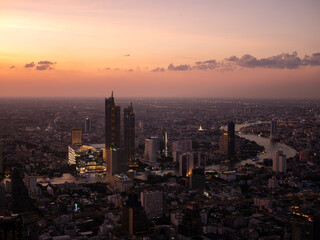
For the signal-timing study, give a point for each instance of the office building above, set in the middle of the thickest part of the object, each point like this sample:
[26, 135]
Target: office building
[11, 228]
[87, 125]
[31, 183]
[129, 133]
[279, 162]
[20, 199]
[76, 136]
[200, 159]
[2, 199]
[231, 140]
[183, 145]
[166, 151]
[304, 155]
[223, 144]
[116, 161]
[152, 202]
[273, 182]
[112, 123]
[134, 220]
[197, 179]
[191, 225]
[152, 147]
[87, 158]
[273, 129]
[186, 164]
[121, 182]
[1, 156]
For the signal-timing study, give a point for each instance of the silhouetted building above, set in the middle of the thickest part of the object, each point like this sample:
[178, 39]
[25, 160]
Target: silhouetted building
[186, 164]
[112, 123]
[134, 220]
[231, 140]
[279, 163]
[152, 147]
[305, 227]
[87, 125]
[76, 136]
[152, 202]
[223, 144]
[191, 225]
[2, 199]
[1, 156]
[273, 129]
[20, 198]
[116, 162]
[200, 159]
[197, 179]
[129, 133]
[10, 228]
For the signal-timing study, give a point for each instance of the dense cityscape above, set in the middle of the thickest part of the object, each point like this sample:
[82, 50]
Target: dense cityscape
[159, 168]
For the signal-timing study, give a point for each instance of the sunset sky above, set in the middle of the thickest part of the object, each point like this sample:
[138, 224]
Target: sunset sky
[199, 48]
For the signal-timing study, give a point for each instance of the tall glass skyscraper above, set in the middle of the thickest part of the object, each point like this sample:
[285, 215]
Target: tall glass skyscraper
[129, 133]
[231, 140]
[112, 123]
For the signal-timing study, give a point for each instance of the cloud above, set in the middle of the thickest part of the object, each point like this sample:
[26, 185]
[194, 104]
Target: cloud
[158, 69]
[209, 64]
[29, 65]
[45, 65]
[281, 61]
[107, 68]
[183, 67]
[46, 62]
[314, 60]
[126, 55]
[12, 67]
[130, 70]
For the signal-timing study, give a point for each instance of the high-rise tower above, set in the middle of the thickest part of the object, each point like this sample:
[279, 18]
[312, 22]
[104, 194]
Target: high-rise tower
[273, 129]
[231, 140]
[112, 123]
[129, 133]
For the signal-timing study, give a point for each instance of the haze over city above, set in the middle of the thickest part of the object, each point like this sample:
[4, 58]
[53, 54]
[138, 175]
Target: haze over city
[251, 49]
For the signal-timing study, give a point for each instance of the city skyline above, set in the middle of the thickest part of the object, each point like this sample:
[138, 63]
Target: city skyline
[244, 49]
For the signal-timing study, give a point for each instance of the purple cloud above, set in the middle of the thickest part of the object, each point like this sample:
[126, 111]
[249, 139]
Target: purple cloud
[183, 67]
[29, 65]
[158, 69]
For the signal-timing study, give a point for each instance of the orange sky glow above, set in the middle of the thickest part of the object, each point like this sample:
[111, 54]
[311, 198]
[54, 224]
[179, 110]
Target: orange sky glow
[80, 48]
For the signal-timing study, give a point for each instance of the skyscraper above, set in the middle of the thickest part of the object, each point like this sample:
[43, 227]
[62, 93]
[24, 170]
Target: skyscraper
[152, 202]
[279, 162]
[76, 136]
[134, 217]
[1, 156]
[186, 164]
[129, 133]
[273, 129]
[231, 140]
[112, 123]
[87, 125]
[151, 149]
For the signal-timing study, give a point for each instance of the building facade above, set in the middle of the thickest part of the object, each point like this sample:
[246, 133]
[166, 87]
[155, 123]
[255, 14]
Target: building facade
[112, 123]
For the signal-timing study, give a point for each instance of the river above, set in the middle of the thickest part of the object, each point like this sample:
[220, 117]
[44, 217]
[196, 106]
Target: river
[270, 147]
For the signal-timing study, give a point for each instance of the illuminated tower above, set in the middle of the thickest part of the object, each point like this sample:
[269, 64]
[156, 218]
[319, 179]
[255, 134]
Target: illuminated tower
[112, 123]
[231, 140]
[129, 133]
[166, 144]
